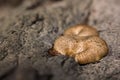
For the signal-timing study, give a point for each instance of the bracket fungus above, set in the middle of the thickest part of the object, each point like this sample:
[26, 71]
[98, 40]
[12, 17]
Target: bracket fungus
[81, 42]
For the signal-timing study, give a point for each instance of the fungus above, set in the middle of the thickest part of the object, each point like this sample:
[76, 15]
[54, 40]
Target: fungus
[82, 43]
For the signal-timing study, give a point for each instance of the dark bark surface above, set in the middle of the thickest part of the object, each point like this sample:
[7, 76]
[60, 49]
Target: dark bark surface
[28, 29]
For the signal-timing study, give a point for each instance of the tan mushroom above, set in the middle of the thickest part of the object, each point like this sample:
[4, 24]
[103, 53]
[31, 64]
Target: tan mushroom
[96, 49]
[69, 45]
[82, 43]
[81, 30]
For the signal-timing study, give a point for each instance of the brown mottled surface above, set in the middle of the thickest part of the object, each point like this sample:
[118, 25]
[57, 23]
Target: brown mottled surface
[28, 31]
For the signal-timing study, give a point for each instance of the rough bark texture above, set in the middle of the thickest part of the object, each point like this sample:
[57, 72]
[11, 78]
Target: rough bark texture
[28, 31]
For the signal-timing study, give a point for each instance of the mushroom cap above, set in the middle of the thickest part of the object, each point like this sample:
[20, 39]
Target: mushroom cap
[81, 30]
[96, 49]
[69, 45]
